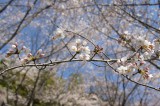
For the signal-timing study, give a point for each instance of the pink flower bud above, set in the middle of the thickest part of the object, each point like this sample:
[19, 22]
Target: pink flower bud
[39, 51]
[41, 55]
[29, 55]
[14, 46]
[24, 48]
[142, 62]
[24, 60]
[11, 51]
[147, 68]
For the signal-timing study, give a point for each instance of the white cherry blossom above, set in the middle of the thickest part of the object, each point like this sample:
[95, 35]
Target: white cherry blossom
[122, 69]
[82, 49]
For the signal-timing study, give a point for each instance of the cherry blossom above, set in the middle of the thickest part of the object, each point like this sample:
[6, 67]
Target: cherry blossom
[81, 48]
[122, 69]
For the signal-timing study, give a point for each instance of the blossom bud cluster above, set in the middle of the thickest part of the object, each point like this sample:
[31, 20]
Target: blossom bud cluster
[132, 65]
[15, 49]
[81, 48]
[145, 50]
[139, 41]
[29, 57]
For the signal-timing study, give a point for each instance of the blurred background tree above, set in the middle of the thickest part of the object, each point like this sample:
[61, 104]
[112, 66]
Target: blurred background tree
[72, 52]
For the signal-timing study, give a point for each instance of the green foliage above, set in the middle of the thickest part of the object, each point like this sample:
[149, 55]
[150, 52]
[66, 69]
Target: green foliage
[47, 81]
[22, 91]
[38, 102]
[3, 83]
[75, 80]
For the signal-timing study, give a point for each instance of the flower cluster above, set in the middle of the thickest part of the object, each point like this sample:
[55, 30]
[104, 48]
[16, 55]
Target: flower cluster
[30, 57]
[139, 41]
[81, 48]
[16, 50]
[144, 50]
[127, 66]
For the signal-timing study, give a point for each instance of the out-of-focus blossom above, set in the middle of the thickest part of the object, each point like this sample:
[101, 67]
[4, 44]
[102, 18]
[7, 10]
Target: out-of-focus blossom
[58, 34]
[78, 41]
[84, 43]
